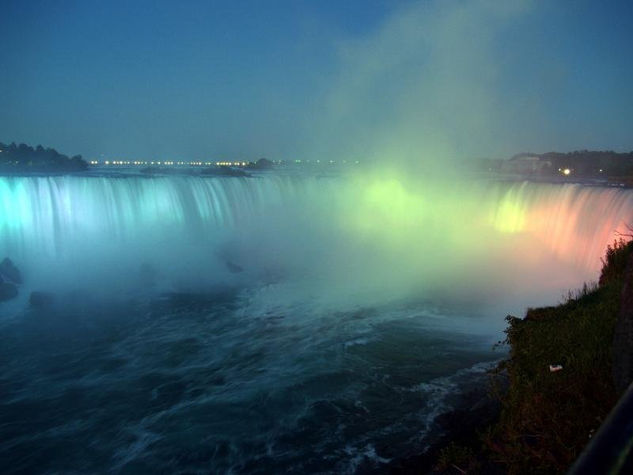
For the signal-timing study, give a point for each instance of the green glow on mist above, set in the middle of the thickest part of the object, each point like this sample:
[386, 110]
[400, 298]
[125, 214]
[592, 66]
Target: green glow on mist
[396, 211]
[389, 203]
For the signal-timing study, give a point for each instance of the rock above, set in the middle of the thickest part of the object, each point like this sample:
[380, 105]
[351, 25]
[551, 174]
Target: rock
[9, 271]
[39, 299]
[234, 268]
[8, 291]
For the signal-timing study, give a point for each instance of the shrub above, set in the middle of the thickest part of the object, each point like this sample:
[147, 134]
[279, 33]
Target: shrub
[548, 417]
[614, 262]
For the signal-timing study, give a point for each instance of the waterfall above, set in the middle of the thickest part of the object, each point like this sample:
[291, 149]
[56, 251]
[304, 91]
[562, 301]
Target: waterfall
[575, 221]
[84, 225]
[51, 214]
[377, 233]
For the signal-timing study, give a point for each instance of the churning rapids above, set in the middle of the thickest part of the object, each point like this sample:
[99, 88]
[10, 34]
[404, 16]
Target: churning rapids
[270, 323]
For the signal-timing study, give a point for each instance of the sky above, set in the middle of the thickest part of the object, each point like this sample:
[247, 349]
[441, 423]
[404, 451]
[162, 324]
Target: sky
[396, 80]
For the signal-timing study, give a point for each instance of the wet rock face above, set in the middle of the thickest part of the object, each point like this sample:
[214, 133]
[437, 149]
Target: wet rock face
[10, 278]
[233, 268]
[623, 335]
[10, 272]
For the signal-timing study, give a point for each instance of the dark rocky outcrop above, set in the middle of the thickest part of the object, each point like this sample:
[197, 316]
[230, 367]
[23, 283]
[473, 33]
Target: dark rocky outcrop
[10, 278]
[234, 268]
[10, 272]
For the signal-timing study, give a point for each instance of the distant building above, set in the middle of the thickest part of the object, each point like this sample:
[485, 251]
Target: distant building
[526, 163]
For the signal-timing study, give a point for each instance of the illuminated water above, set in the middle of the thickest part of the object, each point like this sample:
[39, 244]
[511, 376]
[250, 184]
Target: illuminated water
[269, 323]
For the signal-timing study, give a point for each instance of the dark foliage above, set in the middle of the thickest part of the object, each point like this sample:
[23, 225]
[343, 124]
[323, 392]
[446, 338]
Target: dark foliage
[23, 158]
[549, 417]
[614, 262]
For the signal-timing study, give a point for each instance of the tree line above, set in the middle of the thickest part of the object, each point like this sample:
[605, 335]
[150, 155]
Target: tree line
[24, 158]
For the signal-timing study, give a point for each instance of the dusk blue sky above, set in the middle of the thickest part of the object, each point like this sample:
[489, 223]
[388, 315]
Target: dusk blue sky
[307, 79]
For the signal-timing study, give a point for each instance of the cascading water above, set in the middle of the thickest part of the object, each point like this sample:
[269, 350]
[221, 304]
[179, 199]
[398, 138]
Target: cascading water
[575, 221]
[64, 217]
[54, 226]
[290, 313]
[194, 225]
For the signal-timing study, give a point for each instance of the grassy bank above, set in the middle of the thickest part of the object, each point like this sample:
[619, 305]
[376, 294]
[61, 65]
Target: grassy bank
[547, 418]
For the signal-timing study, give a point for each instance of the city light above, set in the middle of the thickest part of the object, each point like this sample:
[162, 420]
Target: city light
[221, 163]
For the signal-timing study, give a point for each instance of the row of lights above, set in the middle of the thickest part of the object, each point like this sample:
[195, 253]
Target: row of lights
[231, 164]
[219, 164]
[169, 163]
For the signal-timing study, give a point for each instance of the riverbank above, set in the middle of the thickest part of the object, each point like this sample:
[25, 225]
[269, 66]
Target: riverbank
[559, 388]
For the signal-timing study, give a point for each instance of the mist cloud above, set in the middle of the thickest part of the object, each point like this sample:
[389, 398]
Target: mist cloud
[423, 85]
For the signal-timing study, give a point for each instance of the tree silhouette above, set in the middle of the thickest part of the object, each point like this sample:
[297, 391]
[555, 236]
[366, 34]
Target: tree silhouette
[24, 158]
